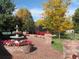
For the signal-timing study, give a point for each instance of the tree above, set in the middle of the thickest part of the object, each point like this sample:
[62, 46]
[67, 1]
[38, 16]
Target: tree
[6, 18]
[40, 25]
[26, 20]
[7, 6]
[9, 24]
[76, 20]
[55, 15]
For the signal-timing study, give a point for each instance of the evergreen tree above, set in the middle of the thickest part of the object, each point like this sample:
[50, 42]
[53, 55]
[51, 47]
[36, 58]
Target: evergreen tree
[76, 20]
[6, 18]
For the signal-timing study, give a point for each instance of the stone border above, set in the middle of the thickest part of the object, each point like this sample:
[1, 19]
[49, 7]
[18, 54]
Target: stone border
[19, 49]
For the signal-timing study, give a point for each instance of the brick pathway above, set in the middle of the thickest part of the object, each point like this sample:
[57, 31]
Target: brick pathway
[43, 51]
[71, 48]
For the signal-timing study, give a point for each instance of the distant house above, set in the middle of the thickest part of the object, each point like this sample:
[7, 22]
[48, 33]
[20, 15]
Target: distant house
[69, 31]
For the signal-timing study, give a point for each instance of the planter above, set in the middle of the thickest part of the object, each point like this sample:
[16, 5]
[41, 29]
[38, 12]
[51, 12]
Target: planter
[18, 49]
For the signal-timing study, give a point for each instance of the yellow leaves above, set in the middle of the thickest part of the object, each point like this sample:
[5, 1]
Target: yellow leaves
[61, 11]
[46, 5]
[39, 22]
[67, 25]
[56, 3]
[55, 11]
[22, 13]
[61, 29]
[48, 12]
[57, 17]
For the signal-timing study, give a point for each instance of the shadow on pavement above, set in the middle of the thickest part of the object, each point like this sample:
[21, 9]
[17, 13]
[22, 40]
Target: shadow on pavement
[4, 54]
[33, 48]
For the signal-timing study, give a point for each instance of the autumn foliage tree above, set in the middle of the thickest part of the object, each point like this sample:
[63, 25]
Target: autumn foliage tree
[55, 15]
[25, 19]
[40, 25]
[40, 22]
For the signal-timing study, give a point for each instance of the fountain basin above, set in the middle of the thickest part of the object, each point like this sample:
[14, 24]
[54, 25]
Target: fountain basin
[16, 37]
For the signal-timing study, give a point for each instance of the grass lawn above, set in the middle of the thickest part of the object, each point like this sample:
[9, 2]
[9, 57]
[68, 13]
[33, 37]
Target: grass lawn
[71, 36]
[58, 44]
[77, 36]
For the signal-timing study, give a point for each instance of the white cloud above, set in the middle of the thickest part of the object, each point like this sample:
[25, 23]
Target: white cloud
[14, 12]
[70, 12]
[36, 13]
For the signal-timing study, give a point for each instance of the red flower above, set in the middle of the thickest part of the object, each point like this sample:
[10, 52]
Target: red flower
[26, 42]
[40, 33]
[16, 43]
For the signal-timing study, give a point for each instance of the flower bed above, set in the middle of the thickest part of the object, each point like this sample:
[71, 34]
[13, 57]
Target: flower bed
[40, 33]
[15, 42]
[14, 46]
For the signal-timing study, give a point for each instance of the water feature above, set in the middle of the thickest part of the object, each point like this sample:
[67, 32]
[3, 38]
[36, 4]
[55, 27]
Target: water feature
[16, 36]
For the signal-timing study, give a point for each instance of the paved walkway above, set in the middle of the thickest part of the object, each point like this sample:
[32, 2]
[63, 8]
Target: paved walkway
[71, 49]
[43, 51]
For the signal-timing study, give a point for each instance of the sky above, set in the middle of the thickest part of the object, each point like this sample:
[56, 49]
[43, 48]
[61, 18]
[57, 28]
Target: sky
[36, 7]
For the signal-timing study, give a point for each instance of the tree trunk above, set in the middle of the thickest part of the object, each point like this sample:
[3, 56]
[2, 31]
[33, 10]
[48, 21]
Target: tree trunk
[59, 35]
[74, 34]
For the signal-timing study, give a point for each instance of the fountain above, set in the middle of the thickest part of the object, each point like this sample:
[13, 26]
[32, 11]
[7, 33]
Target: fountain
[17, 43]
[16, 36]
[17, 31]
